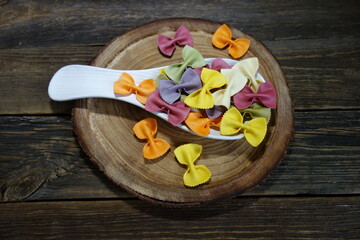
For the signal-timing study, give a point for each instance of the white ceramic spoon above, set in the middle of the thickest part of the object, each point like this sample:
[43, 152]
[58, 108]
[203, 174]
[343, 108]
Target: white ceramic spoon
[80, 81]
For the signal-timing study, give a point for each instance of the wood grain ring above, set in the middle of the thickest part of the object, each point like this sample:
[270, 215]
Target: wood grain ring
[104, 127]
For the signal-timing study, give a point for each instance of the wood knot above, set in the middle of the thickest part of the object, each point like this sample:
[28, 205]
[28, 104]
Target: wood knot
[21, 187]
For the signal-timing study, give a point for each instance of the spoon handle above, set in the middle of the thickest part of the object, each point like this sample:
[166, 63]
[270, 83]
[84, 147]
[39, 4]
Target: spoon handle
[80, 81]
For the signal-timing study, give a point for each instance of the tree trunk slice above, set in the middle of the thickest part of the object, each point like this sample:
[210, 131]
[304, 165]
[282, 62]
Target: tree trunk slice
[104, 127]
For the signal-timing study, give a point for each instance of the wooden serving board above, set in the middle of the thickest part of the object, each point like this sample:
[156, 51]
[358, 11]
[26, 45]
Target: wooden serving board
[104, 127]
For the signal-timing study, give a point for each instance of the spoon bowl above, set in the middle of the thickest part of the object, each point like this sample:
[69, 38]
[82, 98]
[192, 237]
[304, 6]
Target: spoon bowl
[73, 82]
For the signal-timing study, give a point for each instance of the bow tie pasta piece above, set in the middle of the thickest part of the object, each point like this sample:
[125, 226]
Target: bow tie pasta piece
[160, 76]
[176, 112]
[223, 37]
[200, 124]
[146, 130]
[254, 131]
[217, 65]
[235, 83]
[126, 85]
[249, 67]
[182, 37]
[257, 111]
[214, 112]
[265, 95]
[195, 174]
[189, 83]
[203, 98]
[191, 58]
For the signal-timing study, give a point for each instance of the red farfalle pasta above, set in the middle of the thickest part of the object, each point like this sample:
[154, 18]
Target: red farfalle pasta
[266, 95]
[182, 37]
[176, 112]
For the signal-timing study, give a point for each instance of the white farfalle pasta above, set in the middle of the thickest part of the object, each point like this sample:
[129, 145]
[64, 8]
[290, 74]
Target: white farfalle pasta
[249, 67]
[236, 81]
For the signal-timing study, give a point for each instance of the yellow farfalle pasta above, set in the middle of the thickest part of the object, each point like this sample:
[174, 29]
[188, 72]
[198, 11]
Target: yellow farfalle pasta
[203, 98]
[254, 131]
[195, 174]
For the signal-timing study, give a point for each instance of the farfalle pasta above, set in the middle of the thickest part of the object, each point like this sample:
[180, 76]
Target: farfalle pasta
[126, 85]
[248, 68]
[217, 65]
[195, 175]
[205, 97]
[256, 110]
[214, 112]
[191, 58]
[235, 83]
[161, 76]
[223, 37]
[197, 94]
[146, 130]
[200, 124]
[177, 112]
[182, 37]
[265, 95]
[171, 91]
[233, 122]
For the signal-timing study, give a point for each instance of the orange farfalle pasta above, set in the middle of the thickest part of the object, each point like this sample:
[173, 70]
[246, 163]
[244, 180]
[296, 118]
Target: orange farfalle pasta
[126, 85]
[146, 130]
[223, 37]
[200, 124]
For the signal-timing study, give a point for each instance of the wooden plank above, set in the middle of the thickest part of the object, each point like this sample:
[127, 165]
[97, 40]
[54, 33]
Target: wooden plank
[37, 38]
[42, 152]
[318, 73]
[40, 23]
[316, 78]
[242, 218]
[29, 71]
[40, 159]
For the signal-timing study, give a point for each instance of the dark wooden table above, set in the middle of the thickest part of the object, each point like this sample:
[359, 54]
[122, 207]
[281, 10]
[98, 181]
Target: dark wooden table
[50, 189]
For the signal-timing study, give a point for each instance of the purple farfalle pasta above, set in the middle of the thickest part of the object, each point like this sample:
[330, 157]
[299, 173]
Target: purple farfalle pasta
[170, 91]
[214, 112]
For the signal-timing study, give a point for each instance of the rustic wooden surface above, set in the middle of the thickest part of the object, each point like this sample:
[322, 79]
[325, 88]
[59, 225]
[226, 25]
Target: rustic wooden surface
[49, 188]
